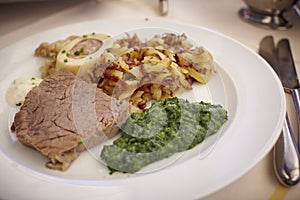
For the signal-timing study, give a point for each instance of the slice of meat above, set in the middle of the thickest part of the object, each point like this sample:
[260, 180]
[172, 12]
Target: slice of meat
[64, 115]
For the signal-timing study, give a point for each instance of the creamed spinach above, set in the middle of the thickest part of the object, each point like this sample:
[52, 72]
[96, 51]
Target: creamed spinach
[169, 126]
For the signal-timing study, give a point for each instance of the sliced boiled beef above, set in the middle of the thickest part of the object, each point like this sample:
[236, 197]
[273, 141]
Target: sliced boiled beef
[65, 115]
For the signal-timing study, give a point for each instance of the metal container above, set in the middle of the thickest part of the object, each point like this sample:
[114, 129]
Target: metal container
[268, 13]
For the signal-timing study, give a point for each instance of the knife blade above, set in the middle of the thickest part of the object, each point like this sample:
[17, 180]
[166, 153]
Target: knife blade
[267, 50]
[288, 74]
[286, 155]
[286, 65]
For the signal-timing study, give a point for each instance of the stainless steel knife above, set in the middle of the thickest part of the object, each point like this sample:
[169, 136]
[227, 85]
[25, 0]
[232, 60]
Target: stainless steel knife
[288, 74]
[286, 154]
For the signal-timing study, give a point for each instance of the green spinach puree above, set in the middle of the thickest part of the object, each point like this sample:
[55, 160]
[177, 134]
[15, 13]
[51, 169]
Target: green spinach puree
[169, 126]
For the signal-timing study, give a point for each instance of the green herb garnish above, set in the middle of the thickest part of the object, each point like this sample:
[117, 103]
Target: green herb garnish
[77, 53]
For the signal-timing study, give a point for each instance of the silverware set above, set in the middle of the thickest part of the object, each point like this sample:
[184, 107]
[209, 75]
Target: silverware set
[286, 152]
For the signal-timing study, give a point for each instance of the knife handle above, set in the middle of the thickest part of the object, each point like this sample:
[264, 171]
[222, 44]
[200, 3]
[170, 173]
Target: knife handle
[286, 157]
[296, 99]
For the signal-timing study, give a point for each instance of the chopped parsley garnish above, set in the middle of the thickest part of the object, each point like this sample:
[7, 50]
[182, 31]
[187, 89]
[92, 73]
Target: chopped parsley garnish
[65, 60]
[77, 53]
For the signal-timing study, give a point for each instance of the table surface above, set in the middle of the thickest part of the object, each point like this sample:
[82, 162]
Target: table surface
[22, 19]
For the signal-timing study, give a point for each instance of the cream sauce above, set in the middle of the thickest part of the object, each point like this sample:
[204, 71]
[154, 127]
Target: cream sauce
[18, 90]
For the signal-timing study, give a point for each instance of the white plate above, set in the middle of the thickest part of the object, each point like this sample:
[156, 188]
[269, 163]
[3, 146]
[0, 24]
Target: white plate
[244, 84]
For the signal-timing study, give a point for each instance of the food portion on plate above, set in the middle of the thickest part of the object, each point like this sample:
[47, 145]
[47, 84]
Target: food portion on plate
[167, 127]
[160, 67]
[17, 91]
[72, 53]
[96, 87]
[64, 115]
